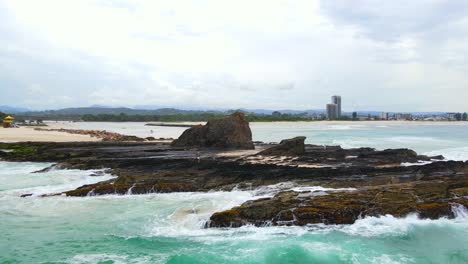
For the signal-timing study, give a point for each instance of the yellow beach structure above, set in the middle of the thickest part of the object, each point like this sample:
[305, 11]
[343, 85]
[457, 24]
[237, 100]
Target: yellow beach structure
[8, 121]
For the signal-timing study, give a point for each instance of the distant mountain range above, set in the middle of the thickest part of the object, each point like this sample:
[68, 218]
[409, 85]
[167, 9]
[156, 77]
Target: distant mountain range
[107, 110]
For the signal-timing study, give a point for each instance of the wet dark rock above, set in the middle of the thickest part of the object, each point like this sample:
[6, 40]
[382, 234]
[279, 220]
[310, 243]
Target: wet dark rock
[394, 155]
[47, 169]
[438, 157]
[230, 132]
[430, 199]
[287, 147]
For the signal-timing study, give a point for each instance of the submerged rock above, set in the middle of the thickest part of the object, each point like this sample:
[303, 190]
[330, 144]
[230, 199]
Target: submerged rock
[287, 147]
[231, 132]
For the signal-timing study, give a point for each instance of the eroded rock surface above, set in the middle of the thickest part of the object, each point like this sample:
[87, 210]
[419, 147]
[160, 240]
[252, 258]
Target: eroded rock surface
[230, 132]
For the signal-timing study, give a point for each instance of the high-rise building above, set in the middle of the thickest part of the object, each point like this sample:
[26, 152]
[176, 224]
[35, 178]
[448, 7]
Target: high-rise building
[336, 99]
[384, 116]
[332, 111]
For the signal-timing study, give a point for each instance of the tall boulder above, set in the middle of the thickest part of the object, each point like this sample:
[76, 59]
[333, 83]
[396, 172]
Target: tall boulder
[230, 132]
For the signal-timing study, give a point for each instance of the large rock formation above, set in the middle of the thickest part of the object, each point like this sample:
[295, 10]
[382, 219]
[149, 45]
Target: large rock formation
[287, 147]
[232, 132]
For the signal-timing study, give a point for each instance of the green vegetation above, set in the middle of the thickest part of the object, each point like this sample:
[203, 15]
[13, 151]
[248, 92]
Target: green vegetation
[145, 118]
[19, 151]
[465, 116]
[189, 117]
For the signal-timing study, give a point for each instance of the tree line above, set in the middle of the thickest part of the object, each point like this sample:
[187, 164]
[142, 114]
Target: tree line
[189, 117]
[461, 117]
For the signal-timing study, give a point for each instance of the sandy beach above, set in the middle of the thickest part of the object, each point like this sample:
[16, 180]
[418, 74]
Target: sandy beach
[29, 134]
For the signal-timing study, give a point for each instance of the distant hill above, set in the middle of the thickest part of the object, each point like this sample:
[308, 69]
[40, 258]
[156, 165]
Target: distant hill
[109, 111]
[12, 110]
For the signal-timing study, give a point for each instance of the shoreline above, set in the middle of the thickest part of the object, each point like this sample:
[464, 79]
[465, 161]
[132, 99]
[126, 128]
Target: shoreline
[191, 123]
[29, 134]
[25, 134]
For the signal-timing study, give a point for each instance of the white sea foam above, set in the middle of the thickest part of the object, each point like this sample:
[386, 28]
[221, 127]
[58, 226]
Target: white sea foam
[114, 258]
[390, 225]
[271, 190]
[451, 153]
[412, 140]
[419, 163]
[18, 178]
[387, 259]
[343, 127]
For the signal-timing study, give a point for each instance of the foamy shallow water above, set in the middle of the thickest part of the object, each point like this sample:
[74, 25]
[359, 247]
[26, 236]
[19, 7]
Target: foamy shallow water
[167, 228]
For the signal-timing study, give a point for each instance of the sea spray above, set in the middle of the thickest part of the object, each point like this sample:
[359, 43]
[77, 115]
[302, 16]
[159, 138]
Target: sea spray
[129, 191]
[460, 211]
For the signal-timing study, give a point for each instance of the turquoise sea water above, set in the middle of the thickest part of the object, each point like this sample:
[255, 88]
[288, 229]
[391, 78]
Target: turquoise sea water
[167, 228]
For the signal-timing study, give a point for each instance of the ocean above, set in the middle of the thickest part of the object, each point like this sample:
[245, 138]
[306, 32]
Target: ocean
[168, 228]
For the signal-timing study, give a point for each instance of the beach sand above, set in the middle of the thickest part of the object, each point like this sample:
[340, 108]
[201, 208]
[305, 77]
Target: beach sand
[22, 134]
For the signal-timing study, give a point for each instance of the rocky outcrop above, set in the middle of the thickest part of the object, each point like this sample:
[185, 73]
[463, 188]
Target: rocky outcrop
[102, 134]
[287, 147]
[394, 155]
[230, 132]
[432, 198]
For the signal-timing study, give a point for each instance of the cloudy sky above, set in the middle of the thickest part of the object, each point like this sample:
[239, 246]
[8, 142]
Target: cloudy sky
[384, 55]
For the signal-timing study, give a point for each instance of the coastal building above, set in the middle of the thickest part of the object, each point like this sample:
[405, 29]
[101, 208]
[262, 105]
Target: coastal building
[384, 116]
[452, 116]
[336, 99]
[332, 111]
[400, 116]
